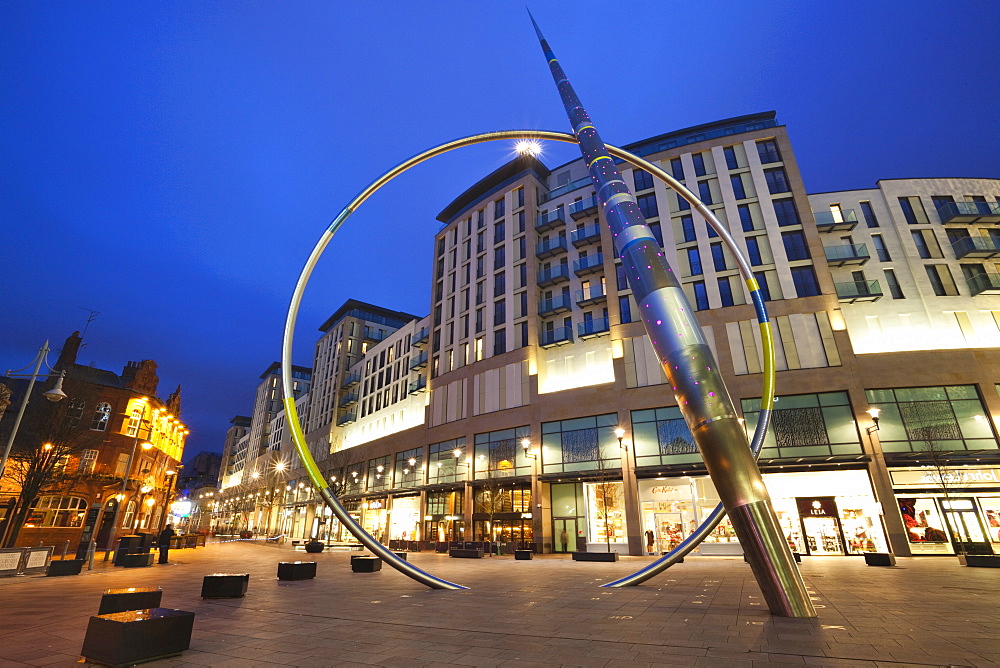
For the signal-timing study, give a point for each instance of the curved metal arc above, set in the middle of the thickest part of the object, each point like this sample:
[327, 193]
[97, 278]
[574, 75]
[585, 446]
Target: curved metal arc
[298, 437]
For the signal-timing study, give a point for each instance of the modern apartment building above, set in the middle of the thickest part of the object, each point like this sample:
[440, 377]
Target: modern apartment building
[531, 358]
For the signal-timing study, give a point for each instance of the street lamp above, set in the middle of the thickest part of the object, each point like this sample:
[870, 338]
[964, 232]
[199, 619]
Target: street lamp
[526, 444]
[620, 435]
[53, 395]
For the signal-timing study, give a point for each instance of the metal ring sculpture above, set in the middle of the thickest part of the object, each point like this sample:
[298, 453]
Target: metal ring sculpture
[292, 417]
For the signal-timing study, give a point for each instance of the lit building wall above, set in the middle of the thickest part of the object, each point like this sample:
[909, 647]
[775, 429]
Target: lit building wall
[921, 256]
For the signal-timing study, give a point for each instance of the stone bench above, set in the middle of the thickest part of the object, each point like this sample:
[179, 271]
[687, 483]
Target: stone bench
[131, 598]
[65, 567]
[225, 585]
[137, 559]
[365, 564]
[465, 553]
[136, 636]
[296, 570]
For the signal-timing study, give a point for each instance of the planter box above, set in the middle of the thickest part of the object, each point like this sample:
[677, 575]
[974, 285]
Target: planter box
[595, 556]
[522, 555]
[132, 598]
[880, 559]
[982, 560]
[140, 560]
[365, 564]
[314, 547]
[65, 567]
[402, 555]
[126, 638]
[225, 585]
[465, 553]
[296, 570]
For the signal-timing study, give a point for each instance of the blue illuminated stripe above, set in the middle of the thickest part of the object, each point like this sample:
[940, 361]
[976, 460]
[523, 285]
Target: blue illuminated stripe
[758, 305]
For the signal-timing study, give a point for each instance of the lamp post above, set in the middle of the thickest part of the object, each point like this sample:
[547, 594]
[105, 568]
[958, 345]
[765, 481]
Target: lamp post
[53, 395]
[172, 476]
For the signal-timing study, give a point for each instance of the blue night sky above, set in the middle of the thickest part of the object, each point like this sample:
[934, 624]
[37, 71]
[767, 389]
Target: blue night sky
[172, 164]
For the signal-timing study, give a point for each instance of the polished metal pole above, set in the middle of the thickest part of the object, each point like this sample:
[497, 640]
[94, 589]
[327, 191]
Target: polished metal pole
[690, 367]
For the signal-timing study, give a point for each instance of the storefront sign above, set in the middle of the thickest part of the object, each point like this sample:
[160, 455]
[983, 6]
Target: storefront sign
[824, 507]
[375, 505]
[932, 477]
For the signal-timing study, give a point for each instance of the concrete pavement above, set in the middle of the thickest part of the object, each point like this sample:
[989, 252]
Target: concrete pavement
[548, 611]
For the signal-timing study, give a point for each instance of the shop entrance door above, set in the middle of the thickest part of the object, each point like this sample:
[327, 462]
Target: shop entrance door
[564, 534]
[963, 524]
[820, 525]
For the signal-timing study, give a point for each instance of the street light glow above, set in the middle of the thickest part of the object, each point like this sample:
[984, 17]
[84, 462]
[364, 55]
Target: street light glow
[528, 147]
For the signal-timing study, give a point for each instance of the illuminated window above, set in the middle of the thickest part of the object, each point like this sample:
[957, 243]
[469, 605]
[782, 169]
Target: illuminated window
[479, 348]
[59, 511]
[88, 460]
[134, 420]
[101, 417]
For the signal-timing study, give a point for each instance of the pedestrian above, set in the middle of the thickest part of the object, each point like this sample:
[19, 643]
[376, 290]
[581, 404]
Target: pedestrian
[564, 539]
[650, 540]
[163, 542]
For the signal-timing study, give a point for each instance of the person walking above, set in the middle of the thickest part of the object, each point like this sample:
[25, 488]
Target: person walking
[650, 540]
[163, 542]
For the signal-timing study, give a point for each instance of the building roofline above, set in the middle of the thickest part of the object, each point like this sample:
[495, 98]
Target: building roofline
[276, 366]
[352, 304]
[509, 172]
[904, 178]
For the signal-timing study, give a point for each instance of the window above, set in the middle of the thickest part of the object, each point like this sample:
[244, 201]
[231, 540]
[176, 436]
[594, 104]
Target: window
[694, 261]
[74, 413]
[677, 169]
[499, 342]
[731, 161]
[868, 213]
[499, 258]
[746, 218]
[522, 275]
[643, 180]
[913, 210]
[519, 197]
[768, 151]
[522, 304]
[777, 181]
[101, 417]
[480, 266]
[499, 311]
[523, 334]
[480, 292]
[719, 257]
[699, 164]
[795, 245]
[926, 243]
[941, 280]
[498, 208]
[753, 251]
[657, 232]
[738, 190]
[894, 289]
[700, 296]
[521, 248]
[880, 249]
[687, 228]
[682, 204]
[499, 283]
[479, 320]
[647, 205]
[60, 511]
[725, 291]
[88, 460]
[520, 221]
[499, 232]
[625, 309]
[786, 213]
[705, 192]
[134, 420]
[479, 348]
[480, 241]
[940, 200]
[947, 417]
[804, 279]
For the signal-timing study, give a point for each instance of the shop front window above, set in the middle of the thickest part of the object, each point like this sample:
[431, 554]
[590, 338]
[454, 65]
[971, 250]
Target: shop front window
[404, 521]
[807, 425]
[58, 511]
[661, 437]
[499, 454]
[409, 468]
[932, 419]
[606, 516]
[581, 444]
[447, 462]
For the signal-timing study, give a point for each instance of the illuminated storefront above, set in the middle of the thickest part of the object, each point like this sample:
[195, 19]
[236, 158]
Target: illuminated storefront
[949, 510]
[404, 518]
[374, 516]
[821, 513]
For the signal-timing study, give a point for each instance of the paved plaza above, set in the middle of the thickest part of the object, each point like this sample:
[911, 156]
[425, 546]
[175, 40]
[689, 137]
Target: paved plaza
[548, 611]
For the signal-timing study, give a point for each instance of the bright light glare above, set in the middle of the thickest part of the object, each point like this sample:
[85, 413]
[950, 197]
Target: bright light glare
[528, 147]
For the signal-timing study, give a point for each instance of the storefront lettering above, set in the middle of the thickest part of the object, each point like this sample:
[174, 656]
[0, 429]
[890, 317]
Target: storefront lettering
[934, 477]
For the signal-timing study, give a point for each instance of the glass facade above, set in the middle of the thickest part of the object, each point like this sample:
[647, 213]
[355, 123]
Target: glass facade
[935, 420]
[807, 425]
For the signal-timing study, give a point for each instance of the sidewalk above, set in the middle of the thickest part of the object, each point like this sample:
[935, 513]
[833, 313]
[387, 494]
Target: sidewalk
[549, 611]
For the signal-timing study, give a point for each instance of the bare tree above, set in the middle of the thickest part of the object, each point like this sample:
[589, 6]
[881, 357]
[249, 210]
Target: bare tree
[948, 479]
[49, 442]
[607, 492]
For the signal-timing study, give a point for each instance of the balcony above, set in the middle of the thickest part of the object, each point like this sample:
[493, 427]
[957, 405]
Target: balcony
[976, 247]
[590, 296]
[349, 399]
[375, 335]
[557, 337]
[351, 380]
[839, 256]
[421, 338]
[347, 418]
[586, 235]
[419, 362]
[418, 386]
[555, 305]
[588, 329]
[553, 275]
[969, 212]
[589, 264]
[550, 220]
[858, 291]
[551, 247]
[984, 284]
[583, 208]
[843, 221]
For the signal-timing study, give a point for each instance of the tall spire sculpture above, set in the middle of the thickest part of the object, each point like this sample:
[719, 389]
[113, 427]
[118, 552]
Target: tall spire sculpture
[690, 367]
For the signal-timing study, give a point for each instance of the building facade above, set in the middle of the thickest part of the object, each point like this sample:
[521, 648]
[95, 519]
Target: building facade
[532, 357]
